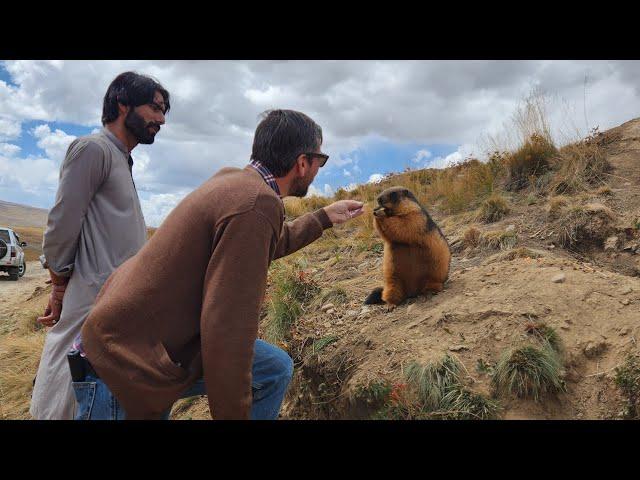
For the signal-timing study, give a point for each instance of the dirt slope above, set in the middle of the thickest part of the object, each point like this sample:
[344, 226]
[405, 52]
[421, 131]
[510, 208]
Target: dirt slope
[485, 308]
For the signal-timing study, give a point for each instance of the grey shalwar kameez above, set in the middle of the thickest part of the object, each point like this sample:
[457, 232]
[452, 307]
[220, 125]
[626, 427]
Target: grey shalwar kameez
[95, 225]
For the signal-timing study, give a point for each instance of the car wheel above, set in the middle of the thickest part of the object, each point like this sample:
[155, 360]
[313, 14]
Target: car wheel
[22, 269]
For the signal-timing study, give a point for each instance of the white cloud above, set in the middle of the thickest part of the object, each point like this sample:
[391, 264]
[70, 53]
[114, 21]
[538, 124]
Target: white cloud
[375, 178]
[156, 207]
[463, 152]
[31, 174]
[9, 149]
[340, 161]
[327, 191]
[10, 129]
[346, 173]
[421, 155]
[55, 144]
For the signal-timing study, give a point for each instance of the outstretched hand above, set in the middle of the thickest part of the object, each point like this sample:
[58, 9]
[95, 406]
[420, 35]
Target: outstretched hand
[343, 210]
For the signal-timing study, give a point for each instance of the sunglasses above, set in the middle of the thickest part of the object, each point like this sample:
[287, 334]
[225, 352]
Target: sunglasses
[322, 156]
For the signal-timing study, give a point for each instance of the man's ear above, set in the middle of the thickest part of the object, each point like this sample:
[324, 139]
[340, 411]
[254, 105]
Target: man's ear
[123, 109]
[302, 165]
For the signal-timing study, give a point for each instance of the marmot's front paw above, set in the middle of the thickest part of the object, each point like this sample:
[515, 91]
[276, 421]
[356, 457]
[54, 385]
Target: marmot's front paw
[390, 307]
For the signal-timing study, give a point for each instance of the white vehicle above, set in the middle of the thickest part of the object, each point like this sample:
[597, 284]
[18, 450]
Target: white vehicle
[11, 254]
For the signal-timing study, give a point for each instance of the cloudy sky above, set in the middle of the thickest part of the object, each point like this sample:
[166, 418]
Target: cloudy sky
[377, 116]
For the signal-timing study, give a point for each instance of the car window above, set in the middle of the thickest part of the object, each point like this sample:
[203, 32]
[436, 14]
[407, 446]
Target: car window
[17, 238]
[4, 235]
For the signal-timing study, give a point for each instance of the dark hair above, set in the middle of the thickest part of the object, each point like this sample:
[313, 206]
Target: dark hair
[281, 136]
[132, 89]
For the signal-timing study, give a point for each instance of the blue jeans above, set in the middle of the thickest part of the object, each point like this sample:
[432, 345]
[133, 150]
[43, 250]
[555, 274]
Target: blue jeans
[272, 370]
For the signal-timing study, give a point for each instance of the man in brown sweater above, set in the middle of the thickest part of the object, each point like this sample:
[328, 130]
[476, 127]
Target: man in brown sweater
[181, 316]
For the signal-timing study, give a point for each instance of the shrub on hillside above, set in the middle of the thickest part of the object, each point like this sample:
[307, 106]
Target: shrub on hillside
[530, 161]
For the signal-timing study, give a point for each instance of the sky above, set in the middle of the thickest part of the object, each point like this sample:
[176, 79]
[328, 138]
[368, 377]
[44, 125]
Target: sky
[377, 117]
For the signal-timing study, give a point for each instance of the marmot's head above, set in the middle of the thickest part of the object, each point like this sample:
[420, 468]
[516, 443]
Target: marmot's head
[396, 201]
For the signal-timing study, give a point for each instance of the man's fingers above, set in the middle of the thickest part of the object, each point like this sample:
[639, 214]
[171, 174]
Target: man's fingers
[47, 321]
[356, 213]
[353, 204]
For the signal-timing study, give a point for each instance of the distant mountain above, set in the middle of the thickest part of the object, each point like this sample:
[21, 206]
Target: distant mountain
[16, 215]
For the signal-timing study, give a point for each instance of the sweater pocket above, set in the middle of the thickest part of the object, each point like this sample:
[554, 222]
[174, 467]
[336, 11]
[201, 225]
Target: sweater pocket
[168, 366]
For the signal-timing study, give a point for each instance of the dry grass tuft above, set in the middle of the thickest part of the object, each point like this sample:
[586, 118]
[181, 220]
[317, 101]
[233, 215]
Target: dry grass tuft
[586, 225]
[529, 161]
[498, 240]
[493, 208]
[19, 358]
[556, 205]
[471, 238]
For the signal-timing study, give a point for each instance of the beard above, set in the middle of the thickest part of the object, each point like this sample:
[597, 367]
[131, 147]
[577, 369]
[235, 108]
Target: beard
[300, 186]
[139, 128]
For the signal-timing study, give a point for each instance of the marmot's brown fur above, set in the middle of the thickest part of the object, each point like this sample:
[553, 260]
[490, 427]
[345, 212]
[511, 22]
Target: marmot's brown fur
[416, 253]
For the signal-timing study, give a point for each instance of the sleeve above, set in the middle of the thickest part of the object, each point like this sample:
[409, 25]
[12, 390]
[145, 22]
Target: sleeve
[83, 170]
[234, 286]
[301, 232]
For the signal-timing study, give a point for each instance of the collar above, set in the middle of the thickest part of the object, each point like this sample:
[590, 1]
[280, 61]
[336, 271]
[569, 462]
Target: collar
[266, 175]
[115, 141]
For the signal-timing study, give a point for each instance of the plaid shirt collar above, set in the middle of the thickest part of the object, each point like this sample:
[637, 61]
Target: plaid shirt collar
[266, 175]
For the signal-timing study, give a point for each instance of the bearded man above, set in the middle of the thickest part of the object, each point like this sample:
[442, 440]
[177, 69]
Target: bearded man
[95, 225]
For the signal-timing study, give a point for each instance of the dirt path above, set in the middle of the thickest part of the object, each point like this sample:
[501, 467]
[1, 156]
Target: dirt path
[14, 293]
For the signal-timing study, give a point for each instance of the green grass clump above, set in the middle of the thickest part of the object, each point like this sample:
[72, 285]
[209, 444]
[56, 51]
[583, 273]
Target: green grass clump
[318, 345]
[545, 334]
[434, 380]
[528, 372]
[463, 404]
[628, 380]
[436, 391]
[291, 288]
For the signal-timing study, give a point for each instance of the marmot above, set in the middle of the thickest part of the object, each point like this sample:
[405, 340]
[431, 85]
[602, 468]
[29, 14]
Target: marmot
[416, 253]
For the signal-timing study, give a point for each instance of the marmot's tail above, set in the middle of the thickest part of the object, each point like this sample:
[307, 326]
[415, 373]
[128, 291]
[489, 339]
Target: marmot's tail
[374, 297]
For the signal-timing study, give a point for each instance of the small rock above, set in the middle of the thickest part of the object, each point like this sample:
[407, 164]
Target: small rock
[327, 306]
[611, 243]
[593, 349]
[411, 309]
[626, 290]
[551, 246]
[457, 348]
[351, 313]
[560, 278]
[625, 301]
[326, 324]
[625, 331]
[330, 311]
[510, 228]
